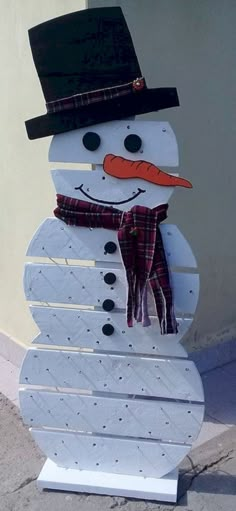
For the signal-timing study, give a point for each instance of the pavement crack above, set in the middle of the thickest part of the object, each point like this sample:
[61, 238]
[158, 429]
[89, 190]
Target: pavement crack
[27, 481]
[213, 463]
[198, 470]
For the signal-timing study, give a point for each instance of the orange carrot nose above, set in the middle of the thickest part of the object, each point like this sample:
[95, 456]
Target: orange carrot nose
[117, 166]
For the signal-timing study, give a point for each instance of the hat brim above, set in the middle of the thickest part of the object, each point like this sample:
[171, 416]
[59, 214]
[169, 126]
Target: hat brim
[141, 102]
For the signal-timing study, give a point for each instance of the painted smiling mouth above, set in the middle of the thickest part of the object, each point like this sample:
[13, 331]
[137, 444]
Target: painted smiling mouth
[106, 201]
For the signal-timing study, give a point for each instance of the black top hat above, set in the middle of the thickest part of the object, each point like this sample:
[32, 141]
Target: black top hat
[89, 72]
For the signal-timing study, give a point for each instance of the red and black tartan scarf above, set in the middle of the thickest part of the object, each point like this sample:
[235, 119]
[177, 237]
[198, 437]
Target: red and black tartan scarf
[142, 251]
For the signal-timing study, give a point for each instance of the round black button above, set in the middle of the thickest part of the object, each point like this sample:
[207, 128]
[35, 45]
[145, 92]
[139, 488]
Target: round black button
[109, 278]
[108, 329]
[108, 305]
[132, 143]
[91, 141]
[110, 247]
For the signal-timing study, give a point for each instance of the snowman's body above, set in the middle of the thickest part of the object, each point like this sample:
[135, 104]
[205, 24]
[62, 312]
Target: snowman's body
[109, 398]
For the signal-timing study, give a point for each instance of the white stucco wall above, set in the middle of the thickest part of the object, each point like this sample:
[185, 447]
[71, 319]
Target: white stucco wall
[27, 195]
[191, 44]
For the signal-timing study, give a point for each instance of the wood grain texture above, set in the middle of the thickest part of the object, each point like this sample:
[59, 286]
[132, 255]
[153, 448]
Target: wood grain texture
[56, 239]
[168, 421]
[99, 453]
[97, 186]
[83, 285]
[165, 378]
[159, 144]
[83, 329]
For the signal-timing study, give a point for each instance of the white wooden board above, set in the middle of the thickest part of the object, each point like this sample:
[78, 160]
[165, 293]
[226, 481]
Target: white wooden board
[56, 239]
[103, 483]
[80, 328]
[148, 458]
[158, 377]
[97, 187]
[159, 144]
[168, 421]
[83, 285]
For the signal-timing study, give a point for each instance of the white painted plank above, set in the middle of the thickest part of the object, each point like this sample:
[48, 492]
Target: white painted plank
[56, 239]
[168, 421]
[185, 288]
[177, 249]
[158, 143]
[83, 285]
[166, 378]
[80, 328]
[72, 285]
[102, 188]
[163, 489]
[99, 453]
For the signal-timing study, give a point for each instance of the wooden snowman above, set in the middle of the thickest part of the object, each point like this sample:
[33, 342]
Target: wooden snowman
[110, 395]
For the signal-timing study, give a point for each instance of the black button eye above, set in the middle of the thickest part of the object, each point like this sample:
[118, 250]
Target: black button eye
[110, 247]
[110, 278]
[108, 329]
[132, 143]
[108, 305]
[91, 141]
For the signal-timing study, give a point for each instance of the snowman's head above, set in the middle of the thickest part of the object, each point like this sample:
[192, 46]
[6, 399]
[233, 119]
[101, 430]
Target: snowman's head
[126, 156]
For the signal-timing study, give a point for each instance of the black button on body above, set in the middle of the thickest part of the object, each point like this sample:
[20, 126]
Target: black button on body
[109, 278]
[108, 305]
[108, 329]
[132, 143]
[91, 141]
[110, 247]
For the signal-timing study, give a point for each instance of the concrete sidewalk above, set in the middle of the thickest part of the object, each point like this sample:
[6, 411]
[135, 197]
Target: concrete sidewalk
[207, 477]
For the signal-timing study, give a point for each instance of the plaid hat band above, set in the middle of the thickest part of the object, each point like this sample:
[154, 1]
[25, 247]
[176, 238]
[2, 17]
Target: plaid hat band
[96, 96]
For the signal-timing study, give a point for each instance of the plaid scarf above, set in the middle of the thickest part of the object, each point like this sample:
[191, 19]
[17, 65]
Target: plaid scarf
[142, 251]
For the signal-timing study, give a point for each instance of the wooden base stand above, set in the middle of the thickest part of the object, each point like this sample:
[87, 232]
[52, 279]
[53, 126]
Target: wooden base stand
[58, 478]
